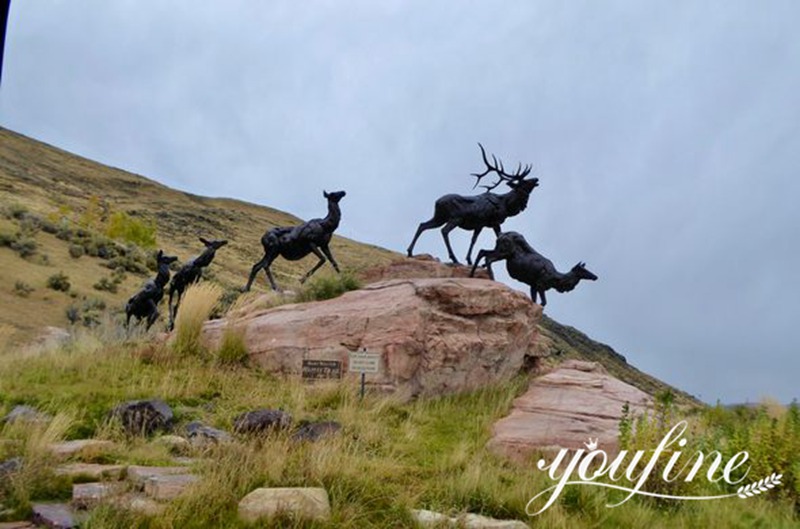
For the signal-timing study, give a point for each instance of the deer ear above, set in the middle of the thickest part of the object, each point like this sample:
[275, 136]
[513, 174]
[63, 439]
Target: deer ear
[204, 241]
[325, 193]
[159, 254]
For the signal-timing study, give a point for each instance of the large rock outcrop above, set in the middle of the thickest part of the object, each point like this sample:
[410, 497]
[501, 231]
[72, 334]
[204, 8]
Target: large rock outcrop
[564, 408]
[419, 266]
[435, 336]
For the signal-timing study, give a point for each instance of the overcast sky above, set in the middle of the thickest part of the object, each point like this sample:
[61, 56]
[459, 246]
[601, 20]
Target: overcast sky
[666, 136]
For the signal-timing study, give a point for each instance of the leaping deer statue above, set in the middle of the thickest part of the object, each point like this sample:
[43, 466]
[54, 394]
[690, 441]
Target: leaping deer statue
[190, 273]
[525, 264]
[295, 242]
[488, 210]
[144, 304]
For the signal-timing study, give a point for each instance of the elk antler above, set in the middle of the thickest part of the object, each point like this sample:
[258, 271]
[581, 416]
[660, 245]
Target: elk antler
[500, 170]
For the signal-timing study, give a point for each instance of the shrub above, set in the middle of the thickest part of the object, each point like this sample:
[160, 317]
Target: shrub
[328, 287]
[232, 349]
[59, 282]
[75, 251]
[196, 305]
[107, 285]
[23, 245]
[73, 314]
[22, 289]
[124, 227]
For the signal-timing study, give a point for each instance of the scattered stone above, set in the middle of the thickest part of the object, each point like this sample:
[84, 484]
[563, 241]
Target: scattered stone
[88, 495]
[9, 466]
[260, 421]
[564, 408]
[139, 504]
[309, 503]
[17, 525]
[144, 417]
[91, 471]
[433, 519]
[53, 515]
[71, 448]
[201, 435]
[138, 475]
[175, 443]
[314, 431]
[23, 413]
[168, 487]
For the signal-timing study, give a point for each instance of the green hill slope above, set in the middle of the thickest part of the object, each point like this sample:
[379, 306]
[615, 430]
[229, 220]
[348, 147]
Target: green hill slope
[54, 187]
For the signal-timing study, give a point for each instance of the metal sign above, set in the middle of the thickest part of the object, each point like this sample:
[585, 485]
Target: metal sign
[322, 369]
[364, 362]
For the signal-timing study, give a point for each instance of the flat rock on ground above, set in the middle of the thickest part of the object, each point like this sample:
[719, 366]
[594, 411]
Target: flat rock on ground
[311, 503]
[138, 475]
[91, 471]
[53, 516]
[70, 448]
[88, 495]
[564, 408]
[431, 519]
[168, 487]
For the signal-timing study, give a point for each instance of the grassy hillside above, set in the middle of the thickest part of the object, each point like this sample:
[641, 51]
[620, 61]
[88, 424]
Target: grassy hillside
[60, 187]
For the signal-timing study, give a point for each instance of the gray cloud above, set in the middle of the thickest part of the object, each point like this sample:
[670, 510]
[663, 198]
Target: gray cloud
[665, 136]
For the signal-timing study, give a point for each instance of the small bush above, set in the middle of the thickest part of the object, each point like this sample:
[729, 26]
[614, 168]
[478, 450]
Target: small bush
[124, 227]
[328, 287]
[25, 246]
[107, 285]
[196, 305]
[22, 289]
[73, 314]
[75, 251]
[59, 282]
[16, 211]
[232, 349]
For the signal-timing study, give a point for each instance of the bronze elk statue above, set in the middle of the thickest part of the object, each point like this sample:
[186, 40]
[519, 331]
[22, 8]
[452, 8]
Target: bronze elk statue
[524, 264]
[295, 242]
[144, 304]
[488, 210]
[189, 273]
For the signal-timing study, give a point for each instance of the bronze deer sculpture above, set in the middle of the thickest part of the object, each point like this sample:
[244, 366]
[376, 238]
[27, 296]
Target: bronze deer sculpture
[295, 242]
[525, 264]
[488, 210]
[144, 304]
[190, 273]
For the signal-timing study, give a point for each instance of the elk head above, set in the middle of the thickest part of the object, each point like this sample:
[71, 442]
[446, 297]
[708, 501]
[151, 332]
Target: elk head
[514, 181]
[582, 273]
[335, 196]
[214, 245]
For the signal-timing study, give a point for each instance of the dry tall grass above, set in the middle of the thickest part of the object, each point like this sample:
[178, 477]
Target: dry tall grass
[196, 305]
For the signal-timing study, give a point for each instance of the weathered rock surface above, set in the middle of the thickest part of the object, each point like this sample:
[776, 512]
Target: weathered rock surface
[88, 495]
[138, 475]
[144, 417]
[564, 408]
[433, 519]
[418, 267]
[53, 515]
[23, 413]
[311, 503]
[168, 487]
[201, 435]
[91, 471]
[80, 446]
[138, 503]
[17, 525]
[9, 466]
[314, 431]
[435, 336]
[261, 421]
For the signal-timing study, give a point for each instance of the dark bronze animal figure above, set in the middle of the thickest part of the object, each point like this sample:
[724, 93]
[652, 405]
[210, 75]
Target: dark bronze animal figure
[295, 242]
[144, 304]
[474, 213]
[526, 265]
[190, 273]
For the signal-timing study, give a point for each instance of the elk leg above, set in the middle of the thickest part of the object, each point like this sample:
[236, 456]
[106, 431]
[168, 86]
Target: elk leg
[496, 229]
[256, 267]
[152, 315]
[174, 310]
[317, 266]
[472, 244]
[446, 235]
[428, 225]
[327, 251]
[533, 294]
[544, 299]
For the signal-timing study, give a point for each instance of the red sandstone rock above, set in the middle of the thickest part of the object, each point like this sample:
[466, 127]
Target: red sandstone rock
[417, 267]
[435, 336]
[564, 408]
